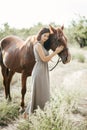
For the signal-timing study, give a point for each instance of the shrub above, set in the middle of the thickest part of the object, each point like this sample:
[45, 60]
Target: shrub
[79, 57]
[55, 115]
[8, 112]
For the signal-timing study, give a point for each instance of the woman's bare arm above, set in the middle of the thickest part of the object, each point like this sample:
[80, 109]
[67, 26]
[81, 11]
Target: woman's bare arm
[47, 58]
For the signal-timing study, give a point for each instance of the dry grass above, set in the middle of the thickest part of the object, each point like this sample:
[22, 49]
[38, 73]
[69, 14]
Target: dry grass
[69, 82]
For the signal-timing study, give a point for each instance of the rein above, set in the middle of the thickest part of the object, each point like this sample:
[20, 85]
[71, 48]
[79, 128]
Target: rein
[59, 60]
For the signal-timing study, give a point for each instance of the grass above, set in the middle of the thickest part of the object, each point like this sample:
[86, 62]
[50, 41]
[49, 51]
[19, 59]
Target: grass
[8, 112]
[79, 57]
[64, 102]
[56, 114]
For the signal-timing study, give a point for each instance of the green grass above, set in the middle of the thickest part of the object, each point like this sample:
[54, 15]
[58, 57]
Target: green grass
[8, 112]
[56, 114]
[79, 57]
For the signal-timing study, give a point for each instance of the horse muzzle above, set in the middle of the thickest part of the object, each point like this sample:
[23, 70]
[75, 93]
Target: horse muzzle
[66, 59]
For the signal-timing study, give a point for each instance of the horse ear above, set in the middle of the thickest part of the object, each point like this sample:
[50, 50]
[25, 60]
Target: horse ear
[62, 27]
[52, 29]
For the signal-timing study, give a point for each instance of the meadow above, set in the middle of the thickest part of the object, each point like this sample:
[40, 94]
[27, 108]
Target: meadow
[68, 103]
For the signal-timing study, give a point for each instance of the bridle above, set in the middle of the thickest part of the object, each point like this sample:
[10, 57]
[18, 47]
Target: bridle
[59, 60]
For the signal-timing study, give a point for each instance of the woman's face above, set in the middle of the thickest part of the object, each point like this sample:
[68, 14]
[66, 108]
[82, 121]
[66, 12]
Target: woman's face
[44, 37]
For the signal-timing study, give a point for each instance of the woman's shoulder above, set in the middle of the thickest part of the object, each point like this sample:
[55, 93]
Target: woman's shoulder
[37, 44]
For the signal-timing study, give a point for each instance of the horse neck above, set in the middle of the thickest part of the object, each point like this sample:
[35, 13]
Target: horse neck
[51, 42]
[48, 43]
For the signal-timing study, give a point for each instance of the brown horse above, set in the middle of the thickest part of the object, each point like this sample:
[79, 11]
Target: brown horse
[17, 55]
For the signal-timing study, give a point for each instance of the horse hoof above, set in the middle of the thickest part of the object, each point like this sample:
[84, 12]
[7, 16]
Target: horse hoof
[21, 110]
[8, 100]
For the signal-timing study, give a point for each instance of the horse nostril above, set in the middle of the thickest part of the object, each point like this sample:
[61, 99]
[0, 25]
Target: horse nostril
[64, 60]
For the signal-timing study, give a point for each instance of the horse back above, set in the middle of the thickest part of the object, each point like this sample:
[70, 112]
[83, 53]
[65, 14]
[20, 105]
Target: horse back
[10, 41]
[10, 47]
[17, 55]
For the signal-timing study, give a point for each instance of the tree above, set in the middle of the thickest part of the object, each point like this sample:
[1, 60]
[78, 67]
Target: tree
[79, 29]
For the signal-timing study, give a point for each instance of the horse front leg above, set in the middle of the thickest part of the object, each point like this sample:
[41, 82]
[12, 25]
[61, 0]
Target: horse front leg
[23, 90]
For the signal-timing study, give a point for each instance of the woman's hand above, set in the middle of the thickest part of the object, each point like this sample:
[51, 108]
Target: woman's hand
[59, 49]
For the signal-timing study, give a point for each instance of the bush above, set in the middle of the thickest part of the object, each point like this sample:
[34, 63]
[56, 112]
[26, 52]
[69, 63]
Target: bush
[55, 115]
[79, 57]
[8, 112]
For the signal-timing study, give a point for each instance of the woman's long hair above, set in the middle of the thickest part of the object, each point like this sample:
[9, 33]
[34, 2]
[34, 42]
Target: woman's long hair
[42, 31]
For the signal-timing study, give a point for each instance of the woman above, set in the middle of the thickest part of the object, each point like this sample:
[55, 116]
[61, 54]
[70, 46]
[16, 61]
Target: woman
[40, 73]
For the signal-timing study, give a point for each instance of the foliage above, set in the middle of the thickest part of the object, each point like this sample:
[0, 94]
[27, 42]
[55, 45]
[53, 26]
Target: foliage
[78, 31]
[80, 57]
[22, 33]
[56, 115]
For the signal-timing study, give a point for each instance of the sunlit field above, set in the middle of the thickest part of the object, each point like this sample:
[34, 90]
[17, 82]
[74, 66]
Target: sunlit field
[67, 107]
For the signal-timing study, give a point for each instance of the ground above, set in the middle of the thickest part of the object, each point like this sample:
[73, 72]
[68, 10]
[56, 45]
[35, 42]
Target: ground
[70, 76]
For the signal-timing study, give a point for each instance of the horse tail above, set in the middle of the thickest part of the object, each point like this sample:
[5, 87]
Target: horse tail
[7, 71]
[1, 59]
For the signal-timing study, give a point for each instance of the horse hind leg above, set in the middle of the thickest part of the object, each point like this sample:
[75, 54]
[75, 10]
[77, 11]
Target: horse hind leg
[7, 76]
[4, 74]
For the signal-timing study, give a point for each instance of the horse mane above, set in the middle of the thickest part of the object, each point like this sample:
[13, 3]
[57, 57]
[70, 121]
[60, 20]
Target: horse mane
[31, 40]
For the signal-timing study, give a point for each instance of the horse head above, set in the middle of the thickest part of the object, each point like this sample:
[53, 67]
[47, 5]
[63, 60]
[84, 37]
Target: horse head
[58, 38]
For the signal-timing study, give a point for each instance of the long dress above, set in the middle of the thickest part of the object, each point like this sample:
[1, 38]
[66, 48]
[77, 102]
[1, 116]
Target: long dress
[40, 82]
